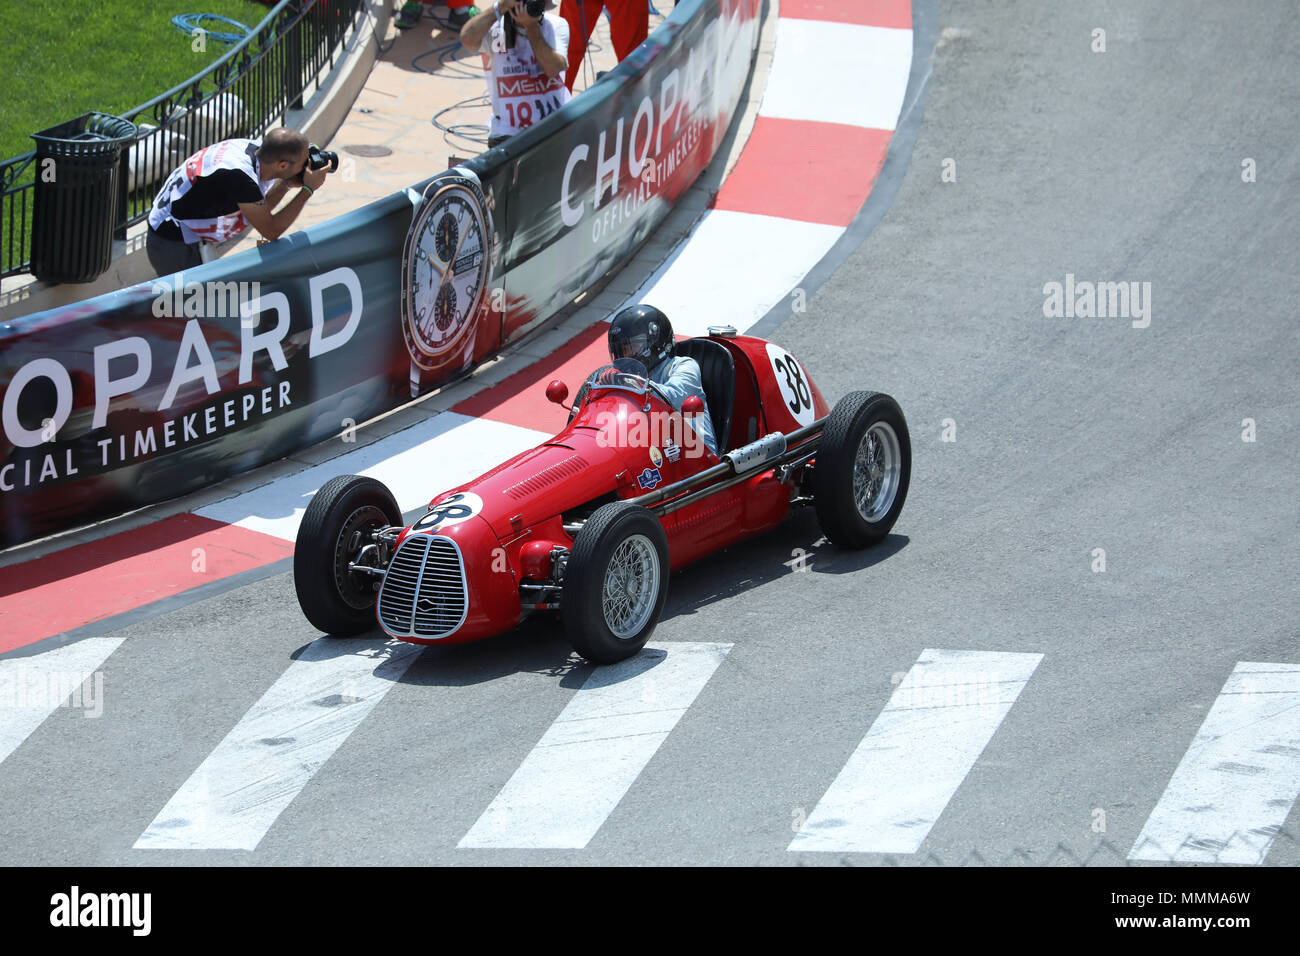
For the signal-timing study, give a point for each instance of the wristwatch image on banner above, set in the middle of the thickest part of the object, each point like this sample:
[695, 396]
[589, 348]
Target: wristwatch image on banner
[447, 259]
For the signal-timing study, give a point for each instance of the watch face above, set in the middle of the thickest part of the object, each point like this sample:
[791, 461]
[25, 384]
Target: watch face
[444, 308]
[445, 235]
[446, 270]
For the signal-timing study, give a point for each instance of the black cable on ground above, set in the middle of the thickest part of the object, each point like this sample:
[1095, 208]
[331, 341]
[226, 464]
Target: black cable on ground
[450, 66]
[476, 133]
[374, 28]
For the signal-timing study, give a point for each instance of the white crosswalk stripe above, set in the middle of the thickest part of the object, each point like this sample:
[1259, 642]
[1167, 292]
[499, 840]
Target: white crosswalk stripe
[32, 688]
[1225, 803]
[588, 758]
[917, 752]
[1237, 782]
[236, 794]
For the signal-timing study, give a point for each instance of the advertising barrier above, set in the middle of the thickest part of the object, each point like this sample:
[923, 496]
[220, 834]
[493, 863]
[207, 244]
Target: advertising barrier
[163, 388]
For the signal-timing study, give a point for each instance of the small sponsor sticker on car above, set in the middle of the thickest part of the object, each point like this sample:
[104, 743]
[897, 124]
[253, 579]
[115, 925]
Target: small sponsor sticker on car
[649, 478]
[656, 458]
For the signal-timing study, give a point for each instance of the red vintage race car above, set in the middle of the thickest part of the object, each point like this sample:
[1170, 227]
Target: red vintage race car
[591, 523]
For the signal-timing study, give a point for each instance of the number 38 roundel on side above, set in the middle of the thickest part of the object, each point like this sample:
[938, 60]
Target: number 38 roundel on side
[797, 392]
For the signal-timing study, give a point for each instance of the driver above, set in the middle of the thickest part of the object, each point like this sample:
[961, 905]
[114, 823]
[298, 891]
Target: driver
[644, 333]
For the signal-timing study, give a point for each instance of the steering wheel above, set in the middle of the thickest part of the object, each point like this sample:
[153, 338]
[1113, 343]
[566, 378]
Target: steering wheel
[587, 386]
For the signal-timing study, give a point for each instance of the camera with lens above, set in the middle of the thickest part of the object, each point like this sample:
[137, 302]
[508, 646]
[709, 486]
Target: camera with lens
[534, 8]
[318, 158]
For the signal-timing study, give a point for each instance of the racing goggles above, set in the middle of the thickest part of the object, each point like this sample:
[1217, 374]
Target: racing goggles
[632, 347]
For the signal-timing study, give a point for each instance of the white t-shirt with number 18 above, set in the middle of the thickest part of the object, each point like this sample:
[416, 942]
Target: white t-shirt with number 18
[522, 94]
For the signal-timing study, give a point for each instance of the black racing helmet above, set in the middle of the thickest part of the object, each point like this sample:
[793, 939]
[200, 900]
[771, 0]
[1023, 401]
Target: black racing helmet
[643, 333]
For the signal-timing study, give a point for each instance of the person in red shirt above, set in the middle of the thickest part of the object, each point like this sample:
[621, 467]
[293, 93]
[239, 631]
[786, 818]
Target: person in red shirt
[629, 24]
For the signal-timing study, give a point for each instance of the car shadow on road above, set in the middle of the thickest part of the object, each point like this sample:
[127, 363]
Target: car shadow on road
[796, 547]
[539, 645]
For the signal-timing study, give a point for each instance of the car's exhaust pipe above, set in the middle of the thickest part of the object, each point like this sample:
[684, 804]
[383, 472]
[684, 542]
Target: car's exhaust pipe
[771, 451]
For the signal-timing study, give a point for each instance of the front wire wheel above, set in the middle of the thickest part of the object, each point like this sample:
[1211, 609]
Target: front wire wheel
[631, 584]
[339, 522]
[357, 589]
[615, 582]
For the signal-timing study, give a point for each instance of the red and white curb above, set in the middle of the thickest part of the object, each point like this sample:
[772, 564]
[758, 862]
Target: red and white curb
[834, 93]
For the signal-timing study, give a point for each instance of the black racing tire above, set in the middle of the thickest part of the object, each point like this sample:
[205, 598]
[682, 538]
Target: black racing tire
[337, 601]
[853, 510]
[617, 540]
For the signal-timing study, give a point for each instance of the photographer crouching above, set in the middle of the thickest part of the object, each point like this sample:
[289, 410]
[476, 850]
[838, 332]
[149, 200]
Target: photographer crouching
[223, 189]
[526, 46]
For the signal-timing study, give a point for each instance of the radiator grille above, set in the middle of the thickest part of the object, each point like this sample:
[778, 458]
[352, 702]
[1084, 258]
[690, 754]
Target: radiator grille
[423, 594]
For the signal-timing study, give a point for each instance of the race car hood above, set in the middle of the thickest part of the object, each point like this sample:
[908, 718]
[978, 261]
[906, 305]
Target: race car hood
[577, 466]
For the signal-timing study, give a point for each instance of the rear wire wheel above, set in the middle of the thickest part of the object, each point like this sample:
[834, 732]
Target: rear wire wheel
[862, 470]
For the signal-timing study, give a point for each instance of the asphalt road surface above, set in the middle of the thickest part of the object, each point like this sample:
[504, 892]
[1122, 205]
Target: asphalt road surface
[979, 688]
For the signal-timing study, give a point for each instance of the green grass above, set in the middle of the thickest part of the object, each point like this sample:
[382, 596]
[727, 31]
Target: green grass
[61, 59]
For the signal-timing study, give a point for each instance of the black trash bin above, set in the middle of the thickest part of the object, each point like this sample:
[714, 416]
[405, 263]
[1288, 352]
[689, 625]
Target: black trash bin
[77, 196]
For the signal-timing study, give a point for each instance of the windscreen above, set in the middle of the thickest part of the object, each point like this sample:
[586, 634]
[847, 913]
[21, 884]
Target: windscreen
[625, 374]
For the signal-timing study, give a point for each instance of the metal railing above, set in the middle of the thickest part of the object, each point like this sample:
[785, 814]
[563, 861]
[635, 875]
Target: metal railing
[250, 88]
